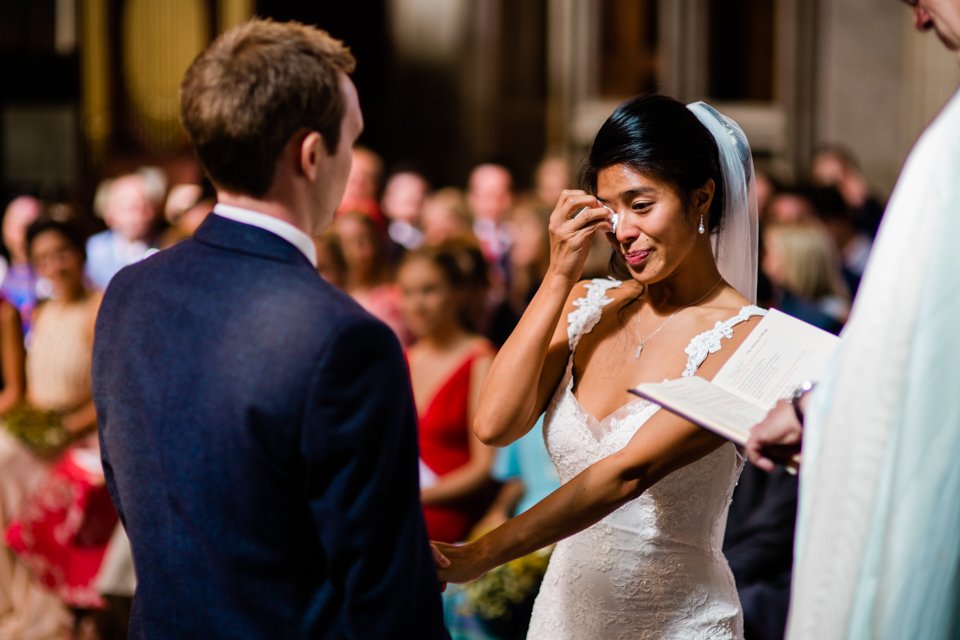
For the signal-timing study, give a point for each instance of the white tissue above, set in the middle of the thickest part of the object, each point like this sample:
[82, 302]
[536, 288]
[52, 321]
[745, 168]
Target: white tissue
[614, 218]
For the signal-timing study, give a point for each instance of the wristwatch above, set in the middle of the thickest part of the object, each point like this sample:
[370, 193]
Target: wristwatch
[802, 389]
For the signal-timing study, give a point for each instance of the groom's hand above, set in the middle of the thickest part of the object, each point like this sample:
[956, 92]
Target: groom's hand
[775, 439]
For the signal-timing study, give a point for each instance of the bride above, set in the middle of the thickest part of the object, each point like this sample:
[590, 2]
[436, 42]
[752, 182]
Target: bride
[641, 513]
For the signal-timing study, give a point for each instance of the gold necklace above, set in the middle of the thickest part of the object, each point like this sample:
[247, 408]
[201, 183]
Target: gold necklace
[643, 342]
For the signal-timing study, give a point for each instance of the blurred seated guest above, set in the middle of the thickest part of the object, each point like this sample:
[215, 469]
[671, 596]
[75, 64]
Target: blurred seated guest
[12, 357]
[529, 257]
[59, 352]
[402, 202]
[766, 189]
[789, 205]
[552, 176]
[366, 175]
[448, 364]
[362, 232]
[445, 216]
[20, 473]
[19, 280]
[758, 544]
[474, 283]
[854, 245]
[801, 261]
[155, 185]
[187, 206]
[331, 264]
[490, 196]
[66, 517]
[131, 218]
[835, 166]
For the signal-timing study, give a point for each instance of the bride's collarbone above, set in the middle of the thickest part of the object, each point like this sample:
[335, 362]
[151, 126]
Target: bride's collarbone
[604, 368]
[624, 327]
[605, 363]
[613, 363]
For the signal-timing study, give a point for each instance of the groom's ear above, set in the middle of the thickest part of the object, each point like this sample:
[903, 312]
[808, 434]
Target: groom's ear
[312, 155]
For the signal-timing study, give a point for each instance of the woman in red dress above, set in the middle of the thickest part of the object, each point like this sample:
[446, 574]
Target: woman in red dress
[448, 363]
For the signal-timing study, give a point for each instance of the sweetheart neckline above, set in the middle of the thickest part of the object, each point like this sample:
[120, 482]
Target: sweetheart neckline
[606, 418]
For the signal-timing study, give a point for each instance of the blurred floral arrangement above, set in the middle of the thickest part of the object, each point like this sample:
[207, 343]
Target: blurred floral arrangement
[497, 593]
[42, 431]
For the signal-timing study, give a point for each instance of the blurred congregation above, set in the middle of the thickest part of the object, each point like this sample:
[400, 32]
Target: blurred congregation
[446, 249]
[450, 269]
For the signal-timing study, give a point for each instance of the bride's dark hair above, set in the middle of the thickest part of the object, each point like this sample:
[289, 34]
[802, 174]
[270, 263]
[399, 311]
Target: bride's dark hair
[659, 137]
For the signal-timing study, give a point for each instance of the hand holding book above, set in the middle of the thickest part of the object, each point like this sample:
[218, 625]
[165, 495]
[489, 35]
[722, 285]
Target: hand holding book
[776, 439]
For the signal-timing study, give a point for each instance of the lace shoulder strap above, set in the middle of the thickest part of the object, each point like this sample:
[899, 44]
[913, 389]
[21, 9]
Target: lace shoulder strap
[710, 341]
[589, 308]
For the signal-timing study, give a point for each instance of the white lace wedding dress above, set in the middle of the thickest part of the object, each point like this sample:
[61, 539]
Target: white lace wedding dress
[653, 568]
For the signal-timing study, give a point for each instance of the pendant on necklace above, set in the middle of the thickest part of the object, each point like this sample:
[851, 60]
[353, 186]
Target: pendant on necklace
[636, 354]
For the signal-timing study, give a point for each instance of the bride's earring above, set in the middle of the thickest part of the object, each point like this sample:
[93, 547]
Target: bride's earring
[701, 229]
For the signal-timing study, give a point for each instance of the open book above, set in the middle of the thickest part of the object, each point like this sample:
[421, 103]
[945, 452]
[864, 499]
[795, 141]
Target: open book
[776, 357]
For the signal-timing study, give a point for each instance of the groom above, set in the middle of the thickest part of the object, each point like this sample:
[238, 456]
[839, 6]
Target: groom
[257, 429]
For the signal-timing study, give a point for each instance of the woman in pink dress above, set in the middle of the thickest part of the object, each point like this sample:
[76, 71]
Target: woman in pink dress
[362, 233]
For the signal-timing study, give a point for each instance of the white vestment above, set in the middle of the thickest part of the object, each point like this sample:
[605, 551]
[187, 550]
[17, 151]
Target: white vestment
[878, 541]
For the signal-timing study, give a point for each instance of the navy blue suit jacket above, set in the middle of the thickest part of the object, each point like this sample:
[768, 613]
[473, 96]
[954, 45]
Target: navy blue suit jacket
[259, 441]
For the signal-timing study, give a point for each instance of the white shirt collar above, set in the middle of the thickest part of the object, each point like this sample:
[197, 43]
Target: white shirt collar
[276, 226]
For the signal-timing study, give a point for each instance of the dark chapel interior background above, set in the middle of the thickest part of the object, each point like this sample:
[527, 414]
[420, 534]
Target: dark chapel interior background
[88, 89]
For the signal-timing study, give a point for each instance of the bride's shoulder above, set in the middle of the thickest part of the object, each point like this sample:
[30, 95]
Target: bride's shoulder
[730, 313]
[589, 301]
[722, 328]
[593, 286]
[605, 290]
[595, 293]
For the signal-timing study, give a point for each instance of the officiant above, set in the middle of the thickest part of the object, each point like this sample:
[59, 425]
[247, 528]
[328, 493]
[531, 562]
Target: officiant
[877, 553]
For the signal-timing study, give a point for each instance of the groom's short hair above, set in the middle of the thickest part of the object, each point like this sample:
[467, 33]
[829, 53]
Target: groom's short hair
[254, 88]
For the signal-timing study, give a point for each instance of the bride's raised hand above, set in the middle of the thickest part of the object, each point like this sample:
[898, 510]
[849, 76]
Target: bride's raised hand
[573, 223]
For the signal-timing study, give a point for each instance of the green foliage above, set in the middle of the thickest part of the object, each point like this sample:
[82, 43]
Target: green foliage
[40, 430]
[495, 594]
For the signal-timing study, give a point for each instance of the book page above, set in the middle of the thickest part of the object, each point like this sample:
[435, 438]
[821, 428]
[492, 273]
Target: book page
[705, 404]
[778, 355]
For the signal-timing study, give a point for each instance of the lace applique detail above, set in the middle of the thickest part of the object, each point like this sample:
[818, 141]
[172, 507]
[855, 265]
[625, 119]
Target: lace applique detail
[589, 308]
[710, 341]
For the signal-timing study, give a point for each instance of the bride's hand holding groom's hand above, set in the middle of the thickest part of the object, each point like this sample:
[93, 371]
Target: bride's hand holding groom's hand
[573, 223]
[459, 563]
[440, 561]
